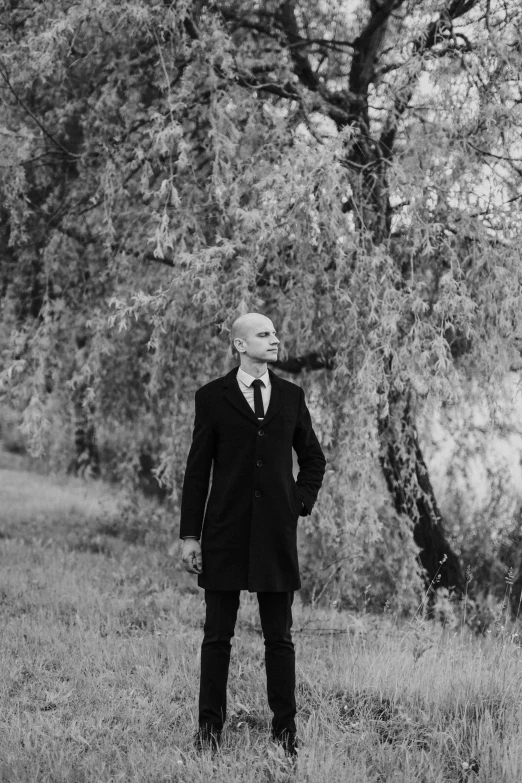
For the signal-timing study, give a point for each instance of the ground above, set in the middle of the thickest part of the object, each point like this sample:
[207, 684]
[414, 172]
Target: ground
[100, 643]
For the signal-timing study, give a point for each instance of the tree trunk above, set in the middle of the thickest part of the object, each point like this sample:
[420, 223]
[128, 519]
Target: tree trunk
[86, 460]
[410, 487]
[367, 158]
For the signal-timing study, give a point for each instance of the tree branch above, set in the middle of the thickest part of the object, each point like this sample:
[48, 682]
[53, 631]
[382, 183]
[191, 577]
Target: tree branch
[310, 361]
[366, 47]
[303, 68]
[151, 257]
[426, 41]
[25, 107]
[290, 92]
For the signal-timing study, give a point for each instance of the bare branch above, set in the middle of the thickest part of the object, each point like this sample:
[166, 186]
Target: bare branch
[25, 107]
[303, 68]
[492, 154]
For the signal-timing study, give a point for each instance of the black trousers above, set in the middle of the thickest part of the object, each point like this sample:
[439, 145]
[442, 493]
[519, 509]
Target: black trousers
[275, 610]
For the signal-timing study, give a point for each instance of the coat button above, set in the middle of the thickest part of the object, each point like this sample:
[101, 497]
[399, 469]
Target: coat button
[257, 493]
[261, 432]
[259, 463]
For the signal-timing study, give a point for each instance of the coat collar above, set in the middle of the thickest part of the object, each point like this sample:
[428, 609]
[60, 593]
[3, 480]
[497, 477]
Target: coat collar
[235, 397]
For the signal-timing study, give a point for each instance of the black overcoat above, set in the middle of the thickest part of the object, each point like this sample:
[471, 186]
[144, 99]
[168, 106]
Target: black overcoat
[248, 524]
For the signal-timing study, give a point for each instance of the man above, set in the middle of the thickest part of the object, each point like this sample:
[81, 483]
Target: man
[246, 425]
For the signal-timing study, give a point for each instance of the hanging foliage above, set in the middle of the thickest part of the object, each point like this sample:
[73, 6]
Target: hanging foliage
[350, 169]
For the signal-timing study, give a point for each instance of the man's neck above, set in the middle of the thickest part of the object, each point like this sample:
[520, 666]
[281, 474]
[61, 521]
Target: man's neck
[255, 369]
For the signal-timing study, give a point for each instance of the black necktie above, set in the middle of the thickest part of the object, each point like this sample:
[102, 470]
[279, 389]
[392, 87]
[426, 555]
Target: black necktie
[258, 399]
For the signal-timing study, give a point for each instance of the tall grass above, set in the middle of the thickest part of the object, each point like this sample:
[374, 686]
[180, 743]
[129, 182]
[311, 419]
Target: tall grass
[99, 678]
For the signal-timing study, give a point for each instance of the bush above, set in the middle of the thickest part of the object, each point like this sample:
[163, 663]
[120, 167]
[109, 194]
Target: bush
[11, 437]
[369, 575]
[141, 520]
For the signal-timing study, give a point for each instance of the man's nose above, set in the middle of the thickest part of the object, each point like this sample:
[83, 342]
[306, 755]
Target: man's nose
[274, 341]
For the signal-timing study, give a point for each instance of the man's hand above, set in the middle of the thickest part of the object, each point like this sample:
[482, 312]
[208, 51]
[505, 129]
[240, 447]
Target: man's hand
[191, 556]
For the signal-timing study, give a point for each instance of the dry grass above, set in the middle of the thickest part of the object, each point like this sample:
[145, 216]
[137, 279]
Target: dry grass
[39, 507]
[100, 666]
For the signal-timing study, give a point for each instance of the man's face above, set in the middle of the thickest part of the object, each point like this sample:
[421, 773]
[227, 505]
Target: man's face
[259, 341]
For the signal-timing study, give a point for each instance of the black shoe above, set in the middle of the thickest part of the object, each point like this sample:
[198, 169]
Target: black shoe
[207, 738]
[288, 741]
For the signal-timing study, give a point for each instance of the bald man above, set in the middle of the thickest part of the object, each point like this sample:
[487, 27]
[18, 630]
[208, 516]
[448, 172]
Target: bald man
[242, 534]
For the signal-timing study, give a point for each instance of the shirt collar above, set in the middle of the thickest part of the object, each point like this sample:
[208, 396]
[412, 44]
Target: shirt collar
[247, 379]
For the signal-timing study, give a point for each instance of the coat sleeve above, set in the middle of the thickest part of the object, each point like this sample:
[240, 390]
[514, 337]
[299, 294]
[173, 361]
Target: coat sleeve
[310, 457]
[197, 472]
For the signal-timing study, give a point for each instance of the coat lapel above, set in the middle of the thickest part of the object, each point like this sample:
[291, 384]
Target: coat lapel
[235, 397]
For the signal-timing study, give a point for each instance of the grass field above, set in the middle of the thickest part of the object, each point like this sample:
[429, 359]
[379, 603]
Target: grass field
[99, 654]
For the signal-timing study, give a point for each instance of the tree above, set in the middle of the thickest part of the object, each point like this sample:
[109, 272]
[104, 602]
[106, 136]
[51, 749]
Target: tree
[349, 168]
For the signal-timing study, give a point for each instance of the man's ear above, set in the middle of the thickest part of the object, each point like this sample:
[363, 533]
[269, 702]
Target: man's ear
[238, 345]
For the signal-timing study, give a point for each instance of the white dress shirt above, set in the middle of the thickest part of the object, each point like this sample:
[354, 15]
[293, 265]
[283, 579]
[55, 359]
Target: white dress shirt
[245, 384]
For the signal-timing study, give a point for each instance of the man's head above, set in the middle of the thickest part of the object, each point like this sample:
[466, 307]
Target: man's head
[254, 338]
